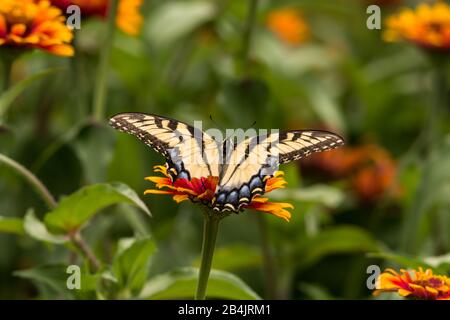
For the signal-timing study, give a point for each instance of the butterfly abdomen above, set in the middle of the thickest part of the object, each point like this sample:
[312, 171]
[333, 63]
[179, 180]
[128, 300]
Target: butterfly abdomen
[236, 199]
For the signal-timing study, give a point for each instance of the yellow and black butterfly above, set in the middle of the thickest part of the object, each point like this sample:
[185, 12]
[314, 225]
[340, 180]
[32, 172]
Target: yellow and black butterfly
[242, 168]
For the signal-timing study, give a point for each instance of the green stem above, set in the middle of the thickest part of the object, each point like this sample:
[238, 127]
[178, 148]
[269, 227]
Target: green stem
[78, 67]
[248, 34]
[102, 72]
[86, 251]
[211, 227]
[409, 243]
[40, 188]
[268, 259]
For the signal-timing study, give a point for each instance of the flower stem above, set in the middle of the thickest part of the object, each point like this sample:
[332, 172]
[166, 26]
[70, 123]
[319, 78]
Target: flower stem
[210, 229]
[40, 188]
[411, 225]
[102, 72]
[268, 259]
[81, 245]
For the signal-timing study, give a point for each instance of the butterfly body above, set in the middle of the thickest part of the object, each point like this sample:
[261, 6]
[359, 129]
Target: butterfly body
[242, 169]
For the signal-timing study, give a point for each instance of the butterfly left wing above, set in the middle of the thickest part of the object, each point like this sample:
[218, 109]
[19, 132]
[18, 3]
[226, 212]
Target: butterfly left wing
[256, 158]
[189, 151]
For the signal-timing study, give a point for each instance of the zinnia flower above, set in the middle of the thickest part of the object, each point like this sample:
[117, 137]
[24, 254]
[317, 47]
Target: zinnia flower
[370, 169]
[203, 191]
[128, 19]
[428, 26]
[415, 284]
[288, 25]
[34, 24]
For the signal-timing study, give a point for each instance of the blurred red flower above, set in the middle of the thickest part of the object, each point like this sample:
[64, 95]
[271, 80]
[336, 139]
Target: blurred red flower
[129, 19]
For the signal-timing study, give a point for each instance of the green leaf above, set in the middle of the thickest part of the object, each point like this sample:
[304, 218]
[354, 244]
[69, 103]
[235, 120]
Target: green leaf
[53, 280]
[175, 19]
[326, 108]
[235, 257]
[75, 210]
[94, 147]
[438, 264]
[342, 239]
[315, 292]
[37, 229]
[50, 279]
[331, 197]
[182, 283]
[130, 266]
[441, 262]
[11, 225]
[7, 98]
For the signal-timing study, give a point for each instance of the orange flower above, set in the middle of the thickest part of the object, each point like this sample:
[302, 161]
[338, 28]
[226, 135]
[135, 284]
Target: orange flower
[371, 182]
[428, 26]
[129, 19]
[336, 163]
[203, 191]
[34, 24]
[288, 25]
[417, 284]
[370, 169]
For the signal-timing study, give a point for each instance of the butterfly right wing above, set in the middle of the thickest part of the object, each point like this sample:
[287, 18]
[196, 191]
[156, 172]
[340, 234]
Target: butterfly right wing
[255, 159]
[190, 152]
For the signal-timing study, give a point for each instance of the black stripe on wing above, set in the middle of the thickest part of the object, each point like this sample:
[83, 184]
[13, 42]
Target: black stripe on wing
[301, 144]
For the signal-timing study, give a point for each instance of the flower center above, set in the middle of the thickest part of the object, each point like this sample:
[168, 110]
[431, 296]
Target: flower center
[436, 27]
[432, 282]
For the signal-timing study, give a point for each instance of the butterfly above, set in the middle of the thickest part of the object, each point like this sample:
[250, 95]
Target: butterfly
[242, 168]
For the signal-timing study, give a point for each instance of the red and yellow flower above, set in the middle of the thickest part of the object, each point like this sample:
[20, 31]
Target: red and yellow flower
[428, 26]
[129, 18]
[34, 24]
[203, 190]
[288, 25]
[418, 284]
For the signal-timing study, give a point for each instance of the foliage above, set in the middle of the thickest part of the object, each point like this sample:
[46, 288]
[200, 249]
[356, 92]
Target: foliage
[203, 60]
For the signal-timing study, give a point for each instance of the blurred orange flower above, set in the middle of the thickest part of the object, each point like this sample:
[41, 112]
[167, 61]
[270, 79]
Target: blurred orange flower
[428, 26]
[370, 169]
[129, 18]
[203, 191]
[288, 25]
[416, 285]
[34, 24]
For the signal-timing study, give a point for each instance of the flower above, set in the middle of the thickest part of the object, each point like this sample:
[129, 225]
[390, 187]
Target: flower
[203, 190]
[415, 284]
[129, 19]
[369, 168]
[288, 25]
[428, 26]
[34, 24]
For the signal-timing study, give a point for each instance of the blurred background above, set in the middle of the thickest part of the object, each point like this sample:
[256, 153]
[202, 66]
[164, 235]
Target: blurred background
[381, 200]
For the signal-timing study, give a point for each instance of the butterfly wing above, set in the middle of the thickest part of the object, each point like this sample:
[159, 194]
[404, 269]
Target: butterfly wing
[188, 150]
[257, 158]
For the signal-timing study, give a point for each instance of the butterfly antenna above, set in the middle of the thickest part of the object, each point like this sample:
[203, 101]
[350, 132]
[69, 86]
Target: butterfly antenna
[213, 121]
[252, 125]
